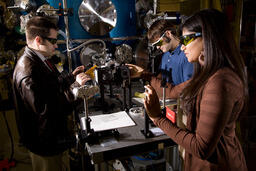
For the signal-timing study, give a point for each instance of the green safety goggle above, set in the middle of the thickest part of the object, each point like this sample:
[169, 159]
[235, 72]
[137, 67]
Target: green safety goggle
[186, 39]
[159, 42]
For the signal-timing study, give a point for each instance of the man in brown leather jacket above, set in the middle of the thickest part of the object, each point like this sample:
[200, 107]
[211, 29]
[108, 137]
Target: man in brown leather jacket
[43, 97]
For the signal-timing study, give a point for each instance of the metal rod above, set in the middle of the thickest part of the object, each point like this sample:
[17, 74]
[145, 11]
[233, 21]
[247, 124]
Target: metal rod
[86, 108]
[86, 112]
[104, 39]
[164, 96]
[146, 123]
[67, 34]
[155, 6]
[130, 94]
[124, 96]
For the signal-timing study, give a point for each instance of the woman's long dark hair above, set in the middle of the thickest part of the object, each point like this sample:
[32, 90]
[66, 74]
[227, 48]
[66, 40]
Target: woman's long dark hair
[220, 50]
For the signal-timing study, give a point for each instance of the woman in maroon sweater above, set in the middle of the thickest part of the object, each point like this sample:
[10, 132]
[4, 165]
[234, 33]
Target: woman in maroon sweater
[212, 100]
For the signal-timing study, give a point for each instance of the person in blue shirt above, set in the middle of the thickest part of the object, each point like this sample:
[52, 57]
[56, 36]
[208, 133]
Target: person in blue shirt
[174, 67]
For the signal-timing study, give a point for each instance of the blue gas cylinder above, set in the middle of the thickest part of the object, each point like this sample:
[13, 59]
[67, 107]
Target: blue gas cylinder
[125, 26]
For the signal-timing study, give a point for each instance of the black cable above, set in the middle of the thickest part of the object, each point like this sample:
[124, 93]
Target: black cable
[10, 135]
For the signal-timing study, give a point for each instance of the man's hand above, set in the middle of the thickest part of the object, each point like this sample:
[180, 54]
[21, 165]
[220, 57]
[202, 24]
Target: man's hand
[82, 78]
[78, 70]
[151, 102]
[135, 70]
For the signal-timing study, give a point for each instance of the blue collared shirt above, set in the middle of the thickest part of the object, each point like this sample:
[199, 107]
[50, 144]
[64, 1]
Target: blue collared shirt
[175, 67]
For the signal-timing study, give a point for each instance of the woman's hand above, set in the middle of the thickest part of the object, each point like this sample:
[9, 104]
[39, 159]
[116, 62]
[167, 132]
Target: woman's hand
[151, 102]
[135, 70]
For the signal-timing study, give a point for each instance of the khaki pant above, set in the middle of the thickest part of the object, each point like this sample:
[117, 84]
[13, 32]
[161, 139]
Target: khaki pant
[52, 163]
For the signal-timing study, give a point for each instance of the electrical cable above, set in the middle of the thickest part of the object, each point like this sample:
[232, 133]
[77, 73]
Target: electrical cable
[88, 42]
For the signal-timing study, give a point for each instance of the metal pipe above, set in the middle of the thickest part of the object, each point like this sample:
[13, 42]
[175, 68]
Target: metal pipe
[104, 39]
[164, 96]
[240, 27]
[155, 6]
[124, 95]
[86, 112]
[87, 119]
[67, 34]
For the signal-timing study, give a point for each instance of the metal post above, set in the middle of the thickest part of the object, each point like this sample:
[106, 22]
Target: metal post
[130, 94]
[86, 112]
[155, 6]
[67, 34]
[164, 96]
[124, 96]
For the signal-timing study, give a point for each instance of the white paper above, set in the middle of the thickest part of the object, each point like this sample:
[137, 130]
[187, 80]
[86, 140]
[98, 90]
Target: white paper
[111, 121]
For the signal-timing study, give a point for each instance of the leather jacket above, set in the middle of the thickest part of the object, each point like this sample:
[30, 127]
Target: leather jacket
[42, 104]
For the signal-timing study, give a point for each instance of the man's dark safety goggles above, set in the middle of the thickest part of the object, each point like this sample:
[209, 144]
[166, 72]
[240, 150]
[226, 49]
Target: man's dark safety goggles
[186, 39]
[51, 40]
[159, 42]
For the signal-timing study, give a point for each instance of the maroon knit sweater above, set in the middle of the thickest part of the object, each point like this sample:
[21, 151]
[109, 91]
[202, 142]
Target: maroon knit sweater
[212, 144]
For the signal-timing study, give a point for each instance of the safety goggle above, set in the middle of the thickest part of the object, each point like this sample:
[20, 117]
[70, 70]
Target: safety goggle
[186, 39]
[159, 42]
[51, 40]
